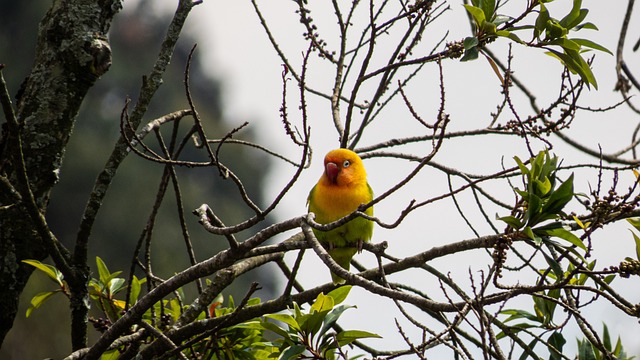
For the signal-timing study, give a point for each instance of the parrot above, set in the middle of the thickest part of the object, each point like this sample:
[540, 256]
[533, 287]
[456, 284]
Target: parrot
[342, 188]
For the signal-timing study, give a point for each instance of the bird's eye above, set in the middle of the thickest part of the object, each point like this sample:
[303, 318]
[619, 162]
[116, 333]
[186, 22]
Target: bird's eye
[346, 164]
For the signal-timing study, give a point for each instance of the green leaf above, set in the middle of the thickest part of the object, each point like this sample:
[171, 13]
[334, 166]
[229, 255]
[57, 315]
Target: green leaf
[554, 30]
[470, 54]
[287, 319]
[540, 307]
[523, 168]
[551, 305]
[313, 322]
[340, 294]
[516, 328]
[530, 234]
[541, 21]
[592, 45]
[606, 338]
[53, 273]
[533, 209]
[578, 20]
[575, 16]
[522, 193]
[110, 355]
[555, 266]
[537, 165]
[523, 27]
[348, 336]
[544, 307]
[562, 233]
[548, 165]
[292, 352]
[542, 187]
[556, 341]
[576, 64]
[470, 42]
[135, 290]
[322, 303]
[95, 288]
[559, 198]
[531, 345]
[585, 350]
[510, 35]
[565, 44]
[254, 301]
[174, 309]
[39, 299]
[103, 271]
[489, 28]
[512, 221]
[116, 285]
[609, 278]
[297, 313]
[276, 329]
[488, 7]
[501, 19]
[476, 13]
[635, 222]
[618, 351]
[637, 241]
[333, 316]
[587, 25]
[519, 314]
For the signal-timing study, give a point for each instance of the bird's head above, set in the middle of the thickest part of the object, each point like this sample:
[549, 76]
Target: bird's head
[343, 167]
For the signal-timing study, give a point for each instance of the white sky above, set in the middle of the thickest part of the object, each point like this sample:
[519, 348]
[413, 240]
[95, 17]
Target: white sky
[238, 52]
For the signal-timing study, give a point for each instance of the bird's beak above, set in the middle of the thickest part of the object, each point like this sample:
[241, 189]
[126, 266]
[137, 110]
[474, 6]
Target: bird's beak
[332, 170]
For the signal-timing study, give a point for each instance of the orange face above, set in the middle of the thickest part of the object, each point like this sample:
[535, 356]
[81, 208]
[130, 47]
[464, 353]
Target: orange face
[343, 167]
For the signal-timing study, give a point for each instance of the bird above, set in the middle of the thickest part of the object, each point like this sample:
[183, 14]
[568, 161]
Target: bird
[341, 189]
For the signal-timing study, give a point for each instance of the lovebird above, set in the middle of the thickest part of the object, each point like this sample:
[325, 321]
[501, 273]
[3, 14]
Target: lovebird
[342, 188]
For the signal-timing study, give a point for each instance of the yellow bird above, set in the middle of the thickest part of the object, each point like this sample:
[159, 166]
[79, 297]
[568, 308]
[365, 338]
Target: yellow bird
[342, 188]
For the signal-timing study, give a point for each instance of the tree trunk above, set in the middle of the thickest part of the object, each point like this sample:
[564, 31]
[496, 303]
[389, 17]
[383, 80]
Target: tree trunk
[72, 53]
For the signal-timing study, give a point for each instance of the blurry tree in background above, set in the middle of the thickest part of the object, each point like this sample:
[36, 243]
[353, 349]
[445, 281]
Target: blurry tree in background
[536, 274]
[135, 37]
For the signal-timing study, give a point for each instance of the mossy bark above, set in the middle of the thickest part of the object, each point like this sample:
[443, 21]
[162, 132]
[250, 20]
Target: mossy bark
[72, 53]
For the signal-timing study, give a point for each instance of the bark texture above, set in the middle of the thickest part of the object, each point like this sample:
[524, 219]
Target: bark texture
[72, 53]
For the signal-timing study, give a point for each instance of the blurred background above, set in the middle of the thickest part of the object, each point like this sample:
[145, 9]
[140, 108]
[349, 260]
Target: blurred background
[135, 37]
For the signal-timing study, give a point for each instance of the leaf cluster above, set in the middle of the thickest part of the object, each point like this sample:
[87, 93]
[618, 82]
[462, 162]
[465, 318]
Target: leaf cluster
[589, 351]
[545, 304]
[547, 32]
[310, 334]
[542, 199]
[102, 290]
[304, 332]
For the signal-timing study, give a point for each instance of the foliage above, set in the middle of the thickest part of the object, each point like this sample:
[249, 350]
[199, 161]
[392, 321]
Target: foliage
[309, 335]
[306, 333]
[102, 290]
[589, 351]
[542, 200]
[52, 273]
[547, 32]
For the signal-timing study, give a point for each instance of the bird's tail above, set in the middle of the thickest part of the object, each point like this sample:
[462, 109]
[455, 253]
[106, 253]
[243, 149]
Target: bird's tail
[342, 256]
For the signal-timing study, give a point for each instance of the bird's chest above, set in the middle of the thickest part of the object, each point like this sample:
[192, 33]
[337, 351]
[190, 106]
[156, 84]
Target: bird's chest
[333, 203]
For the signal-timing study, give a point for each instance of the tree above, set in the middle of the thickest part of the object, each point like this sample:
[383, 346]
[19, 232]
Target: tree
[116, 228]
[539, 252]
